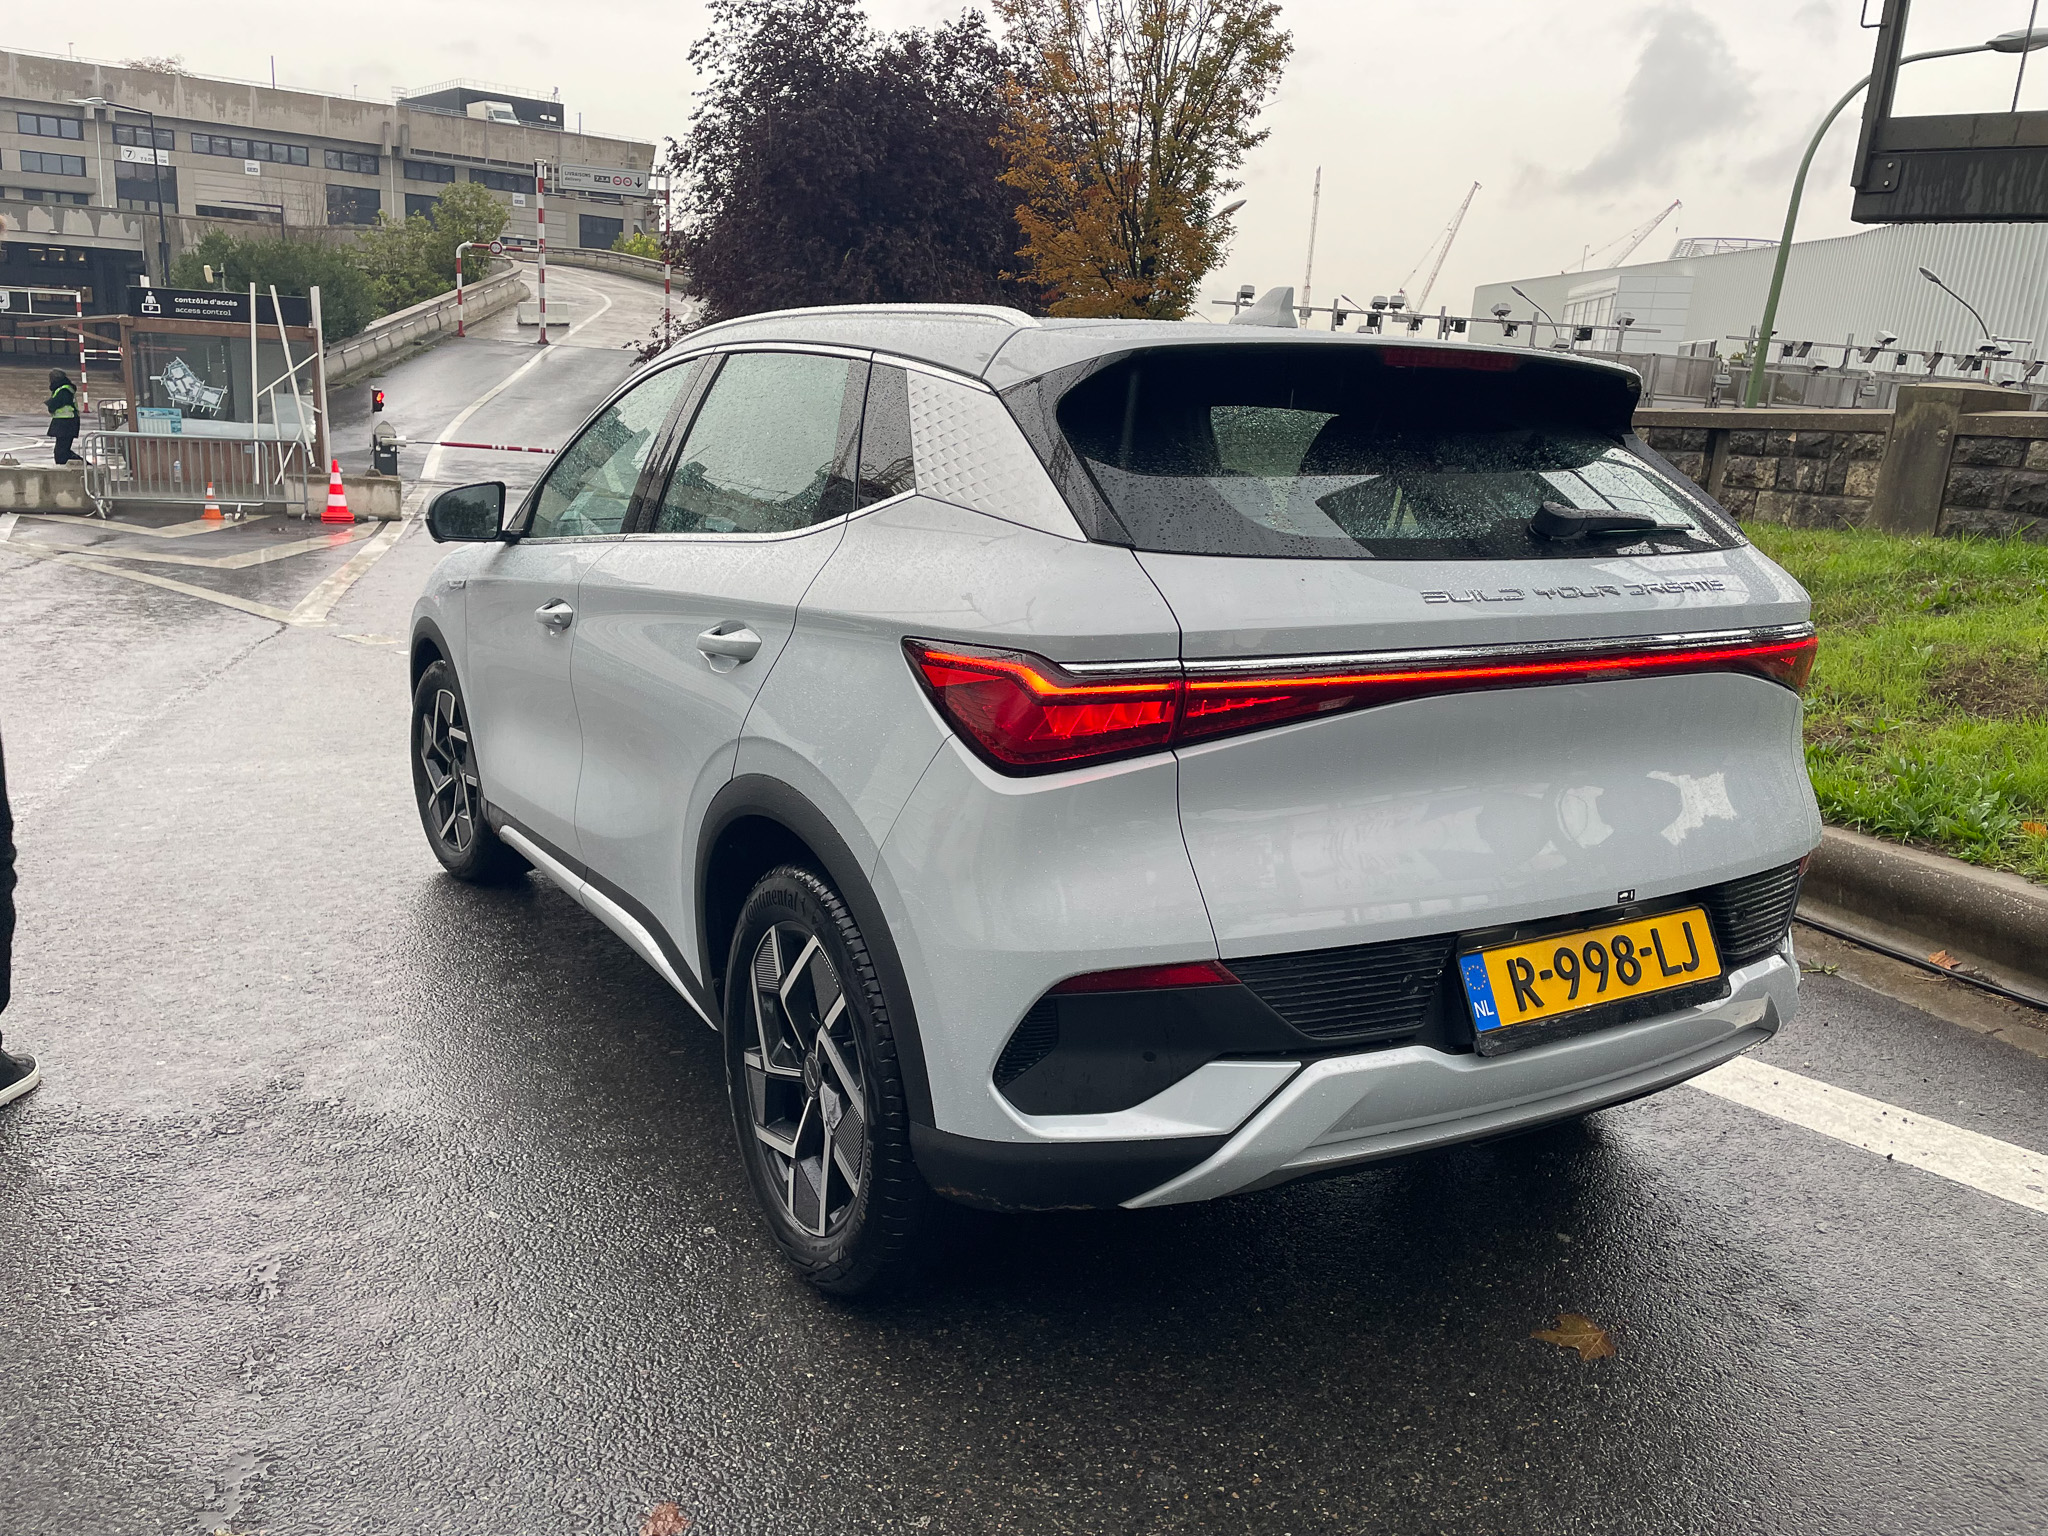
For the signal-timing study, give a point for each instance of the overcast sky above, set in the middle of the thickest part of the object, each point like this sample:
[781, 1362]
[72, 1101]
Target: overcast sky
[1581, 118]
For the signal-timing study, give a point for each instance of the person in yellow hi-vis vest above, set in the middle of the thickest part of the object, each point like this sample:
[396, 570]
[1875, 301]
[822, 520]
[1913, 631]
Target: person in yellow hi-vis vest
[63, 408]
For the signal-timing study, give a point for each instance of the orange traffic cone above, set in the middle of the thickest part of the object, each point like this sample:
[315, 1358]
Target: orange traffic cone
[212, 512]
[337, 500]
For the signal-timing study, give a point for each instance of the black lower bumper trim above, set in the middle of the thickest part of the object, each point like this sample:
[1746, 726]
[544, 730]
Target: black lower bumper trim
[1038, 1176]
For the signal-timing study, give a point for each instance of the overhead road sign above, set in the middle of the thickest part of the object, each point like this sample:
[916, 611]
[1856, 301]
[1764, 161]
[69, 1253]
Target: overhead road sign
[599, 178]
[1950, 168]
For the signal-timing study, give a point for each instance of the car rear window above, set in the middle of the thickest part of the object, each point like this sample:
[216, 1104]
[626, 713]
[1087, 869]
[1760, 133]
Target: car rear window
[1340, 452]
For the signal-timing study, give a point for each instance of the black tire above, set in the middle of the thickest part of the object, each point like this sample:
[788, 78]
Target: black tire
[847, 1205]
[446, 786]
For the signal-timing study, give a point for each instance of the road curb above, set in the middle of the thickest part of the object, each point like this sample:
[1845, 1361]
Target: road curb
[1995, 922]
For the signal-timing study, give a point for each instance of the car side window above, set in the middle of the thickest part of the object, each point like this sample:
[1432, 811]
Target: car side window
[772, 448]
[888, 466]
[589, 489]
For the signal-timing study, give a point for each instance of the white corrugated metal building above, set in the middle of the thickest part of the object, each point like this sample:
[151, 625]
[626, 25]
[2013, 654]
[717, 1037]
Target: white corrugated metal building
[1859, 285]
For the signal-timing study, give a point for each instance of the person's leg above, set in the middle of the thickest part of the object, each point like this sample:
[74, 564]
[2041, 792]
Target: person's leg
[18, 1074]
[64, 454]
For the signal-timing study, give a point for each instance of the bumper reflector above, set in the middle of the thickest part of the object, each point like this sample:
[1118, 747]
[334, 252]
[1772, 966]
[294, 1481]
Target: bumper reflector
[1147, 978]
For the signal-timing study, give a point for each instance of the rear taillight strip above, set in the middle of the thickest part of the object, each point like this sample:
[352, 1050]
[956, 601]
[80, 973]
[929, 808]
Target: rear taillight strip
[1025, 714]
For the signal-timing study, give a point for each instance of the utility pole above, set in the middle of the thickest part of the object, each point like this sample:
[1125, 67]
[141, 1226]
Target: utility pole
[1315, 208]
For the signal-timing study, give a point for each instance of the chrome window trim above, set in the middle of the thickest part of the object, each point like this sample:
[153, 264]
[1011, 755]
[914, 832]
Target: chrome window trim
[1449, 656]
[705, 536]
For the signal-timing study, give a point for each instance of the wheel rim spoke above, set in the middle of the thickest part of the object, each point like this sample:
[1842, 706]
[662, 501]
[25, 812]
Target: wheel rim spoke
[451, 781]
[804, 1084]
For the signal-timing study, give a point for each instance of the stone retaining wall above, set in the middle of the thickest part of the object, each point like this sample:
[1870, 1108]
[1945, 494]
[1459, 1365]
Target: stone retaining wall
[1824, 469]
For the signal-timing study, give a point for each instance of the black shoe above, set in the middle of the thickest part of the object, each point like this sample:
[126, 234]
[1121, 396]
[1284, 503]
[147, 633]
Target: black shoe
[18, 1074]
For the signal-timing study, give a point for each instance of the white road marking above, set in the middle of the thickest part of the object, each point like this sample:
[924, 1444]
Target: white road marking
[236, 562]
[1983, 1163]
[541, 354]
[314, 607]
[198, 525]
[84, 563]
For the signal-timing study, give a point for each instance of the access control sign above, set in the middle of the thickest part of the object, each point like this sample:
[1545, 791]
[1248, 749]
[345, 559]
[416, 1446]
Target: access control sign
[208, 304]
[599, 178]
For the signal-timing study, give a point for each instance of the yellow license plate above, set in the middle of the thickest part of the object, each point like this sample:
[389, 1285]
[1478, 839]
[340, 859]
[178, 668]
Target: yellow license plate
[1546, 978]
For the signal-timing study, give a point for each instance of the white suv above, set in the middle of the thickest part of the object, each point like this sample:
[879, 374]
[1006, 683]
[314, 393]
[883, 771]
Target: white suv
[1084, 763]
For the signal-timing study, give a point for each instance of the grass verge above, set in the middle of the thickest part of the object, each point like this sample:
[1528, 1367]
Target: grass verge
[1927, 720]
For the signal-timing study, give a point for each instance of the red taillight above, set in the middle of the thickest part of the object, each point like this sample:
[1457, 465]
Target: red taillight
[1027, 714]
[1147, 978]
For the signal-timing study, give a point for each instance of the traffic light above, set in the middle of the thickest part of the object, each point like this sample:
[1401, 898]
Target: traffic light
[376, 399]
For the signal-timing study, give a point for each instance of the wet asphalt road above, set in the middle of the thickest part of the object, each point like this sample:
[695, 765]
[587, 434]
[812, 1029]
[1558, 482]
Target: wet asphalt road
[361, 1201]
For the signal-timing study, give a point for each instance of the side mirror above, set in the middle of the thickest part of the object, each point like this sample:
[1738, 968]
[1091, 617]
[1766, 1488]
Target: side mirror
[469, 514]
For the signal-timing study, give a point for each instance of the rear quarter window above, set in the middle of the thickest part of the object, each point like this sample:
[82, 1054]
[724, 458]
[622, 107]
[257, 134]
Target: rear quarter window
[1337, 452]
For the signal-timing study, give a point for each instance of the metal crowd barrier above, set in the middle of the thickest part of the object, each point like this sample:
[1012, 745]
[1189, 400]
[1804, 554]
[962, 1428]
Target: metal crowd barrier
[176, 470]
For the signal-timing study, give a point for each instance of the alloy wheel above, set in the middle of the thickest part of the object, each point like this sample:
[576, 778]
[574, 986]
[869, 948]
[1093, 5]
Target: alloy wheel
[452, 784]
[805, 1079]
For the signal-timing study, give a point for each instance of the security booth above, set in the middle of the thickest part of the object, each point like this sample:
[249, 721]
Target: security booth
[227, 399]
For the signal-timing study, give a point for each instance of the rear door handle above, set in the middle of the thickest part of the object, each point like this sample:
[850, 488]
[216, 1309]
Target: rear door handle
[556, 615]
[734, 645]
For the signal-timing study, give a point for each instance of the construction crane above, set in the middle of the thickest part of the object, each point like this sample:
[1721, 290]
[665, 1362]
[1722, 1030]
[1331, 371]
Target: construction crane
[1627, 242]
[1441, 245]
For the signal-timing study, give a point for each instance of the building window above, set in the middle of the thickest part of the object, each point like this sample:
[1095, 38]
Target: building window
[39, 164]
[421, 203]
[596, 234]
[503, 181]
[422, 170]
[243, 215]
[39, 125]
[138, 193]
[128, 133]
[352, 205]
[250, 149]
[348, 160]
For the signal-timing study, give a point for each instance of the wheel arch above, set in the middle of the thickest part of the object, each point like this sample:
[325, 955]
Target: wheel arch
[429, 645]
[755, 823]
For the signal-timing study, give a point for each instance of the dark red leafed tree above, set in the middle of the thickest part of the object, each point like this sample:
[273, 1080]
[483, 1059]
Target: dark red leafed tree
[833, 163]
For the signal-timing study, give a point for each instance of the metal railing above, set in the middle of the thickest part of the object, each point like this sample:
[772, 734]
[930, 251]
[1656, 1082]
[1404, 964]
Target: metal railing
[1676, 381]
[177, 470]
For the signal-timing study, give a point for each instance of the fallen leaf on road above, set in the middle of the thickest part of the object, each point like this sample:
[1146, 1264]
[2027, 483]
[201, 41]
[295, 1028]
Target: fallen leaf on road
[665, 1520]
[1944, 959]
[1576, 1332]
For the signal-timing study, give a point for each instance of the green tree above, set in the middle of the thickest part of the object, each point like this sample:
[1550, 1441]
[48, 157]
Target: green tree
[639, 244]
[393, 256]
[1125, 131]
[347, 303]
[466, 211]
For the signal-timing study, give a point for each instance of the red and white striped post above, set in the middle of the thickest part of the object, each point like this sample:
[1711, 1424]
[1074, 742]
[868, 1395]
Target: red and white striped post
[458, 285]
[667, 311]
[540, 218]
[84, 394]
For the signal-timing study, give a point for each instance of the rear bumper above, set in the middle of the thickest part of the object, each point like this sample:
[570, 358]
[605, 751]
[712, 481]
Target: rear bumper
[1347, 1110]
[1202, 1139]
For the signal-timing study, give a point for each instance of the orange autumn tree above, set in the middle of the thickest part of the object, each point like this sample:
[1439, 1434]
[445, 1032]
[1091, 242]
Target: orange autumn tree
[1126, 125]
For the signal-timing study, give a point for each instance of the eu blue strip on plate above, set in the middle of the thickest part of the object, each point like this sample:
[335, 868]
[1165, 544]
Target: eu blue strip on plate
[1480, 991]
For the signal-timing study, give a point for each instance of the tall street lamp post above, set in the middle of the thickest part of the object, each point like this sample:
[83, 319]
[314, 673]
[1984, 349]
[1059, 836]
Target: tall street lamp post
[2006, 42]
[156, 168]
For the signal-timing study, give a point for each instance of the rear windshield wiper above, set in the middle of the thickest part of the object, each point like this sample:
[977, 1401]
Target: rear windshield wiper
[1555, 520]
